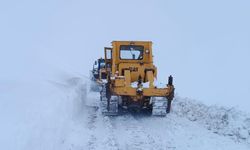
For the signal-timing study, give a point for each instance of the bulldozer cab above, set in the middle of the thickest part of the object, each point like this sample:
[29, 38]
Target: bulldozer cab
[135, 56]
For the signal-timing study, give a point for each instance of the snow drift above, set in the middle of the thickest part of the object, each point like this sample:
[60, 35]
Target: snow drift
[220, 120]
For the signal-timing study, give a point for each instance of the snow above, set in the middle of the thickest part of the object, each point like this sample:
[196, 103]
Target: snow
[48, 46]
[228, 122]
[134, 84]
[146, 84]
[64, 114]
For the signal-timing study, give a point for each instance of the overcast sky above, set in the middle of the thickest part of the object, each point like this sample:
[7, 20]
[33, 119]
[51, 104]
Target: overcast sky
[205, 44]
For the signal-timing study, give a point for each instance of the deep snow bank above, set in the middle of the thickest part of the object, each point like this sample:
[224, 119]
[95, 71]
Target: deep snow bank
[38, 115]
[220, 120]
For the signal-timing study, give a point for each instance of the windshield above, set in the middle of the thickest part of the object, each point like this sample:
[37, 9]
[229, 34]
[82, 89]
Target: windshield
[101, 63]
[131, 52]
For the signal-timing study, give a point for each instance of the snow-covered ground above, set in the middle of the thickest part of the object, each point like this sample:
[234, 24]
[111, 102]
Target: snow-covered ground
[64, 114]
[46, 105]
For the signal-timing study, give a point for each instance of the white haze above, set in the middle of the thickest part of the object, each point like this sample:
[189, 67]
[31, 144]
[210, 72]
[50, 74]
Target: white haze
[203, 44]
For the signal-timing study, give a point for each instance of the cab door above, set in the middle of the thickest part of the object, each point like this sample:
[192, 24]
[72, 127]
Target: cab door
[108, 59]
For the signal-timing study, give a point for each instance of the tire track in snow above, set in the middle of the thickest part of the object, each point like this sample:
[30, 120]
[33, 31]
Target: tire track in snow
[110, 141]
[149, 141]
[91, 125]
[139, 137]
[92, 117]
[98, 125]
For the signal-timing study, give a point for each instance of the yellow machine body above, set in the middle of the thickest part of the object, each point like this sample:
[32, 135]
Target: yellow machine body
[127, 80]
[123, 72]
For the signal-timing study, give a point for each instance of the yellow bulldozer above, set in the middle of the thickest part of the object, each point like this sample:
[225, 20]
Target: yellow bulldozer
[127, 80]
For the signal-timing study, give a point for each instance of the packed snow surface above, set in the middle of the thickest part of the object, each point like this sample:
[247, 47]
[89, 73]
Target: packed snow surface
[65, 115]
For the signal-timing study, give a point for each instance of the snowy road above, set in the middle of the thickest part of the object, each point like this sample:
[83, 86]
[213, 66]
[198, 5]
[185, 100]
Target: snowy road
[64, 115]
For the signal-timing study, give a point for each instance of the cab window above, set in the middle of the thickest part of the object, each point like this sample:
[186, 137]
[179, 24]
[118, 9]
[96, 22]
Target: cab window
[131, 52]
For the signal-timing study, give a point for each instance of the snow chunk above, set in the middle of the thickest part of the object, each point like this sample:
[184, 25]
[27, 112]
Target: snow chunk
[134, 84]
[159, 84]
[145, 85]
